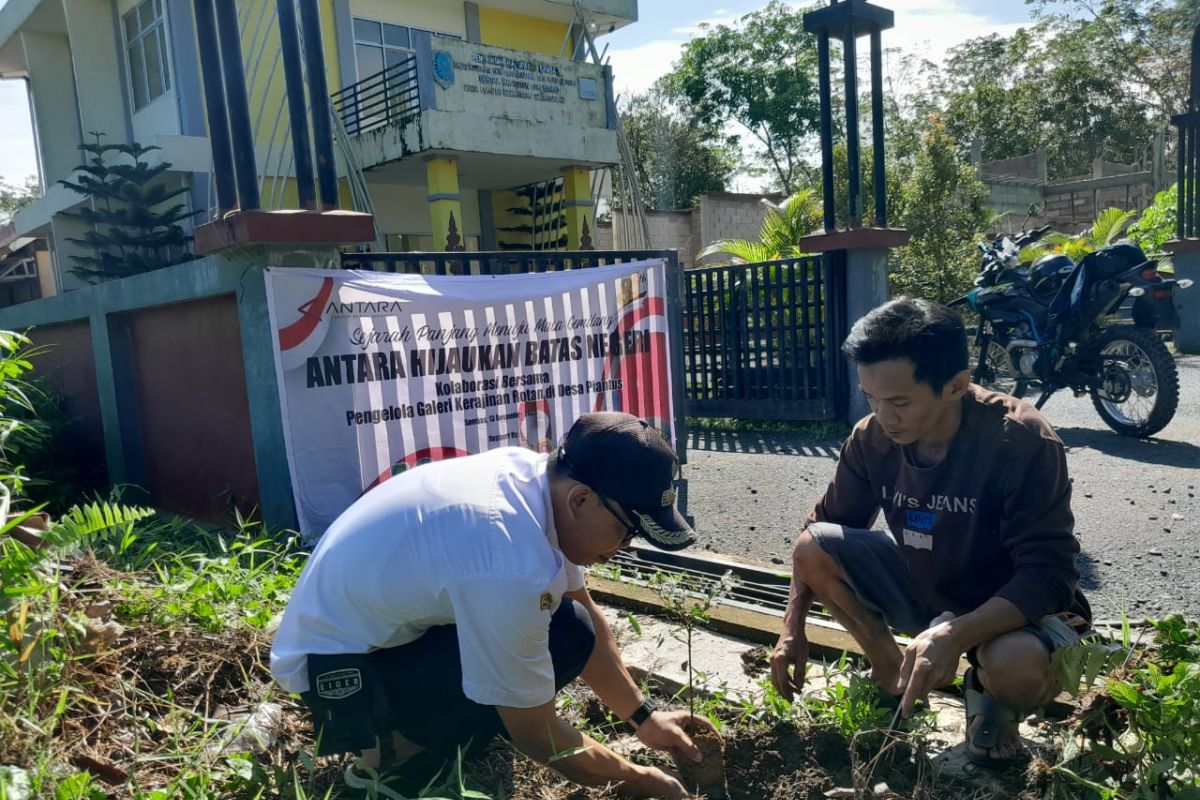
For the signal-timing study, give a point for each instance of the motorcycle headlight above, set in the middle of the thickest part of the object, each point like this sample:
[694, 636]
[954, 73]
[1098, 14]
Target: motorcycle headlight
[1137, 291]
[1186, 283]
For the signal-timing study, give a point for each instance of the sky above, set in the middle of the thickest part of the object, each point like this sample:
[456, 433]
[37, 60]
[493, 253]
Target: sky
[642, 52]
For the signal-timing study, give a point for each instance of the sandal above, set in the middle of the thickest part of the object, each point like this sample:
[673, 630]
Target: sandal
[995, 716]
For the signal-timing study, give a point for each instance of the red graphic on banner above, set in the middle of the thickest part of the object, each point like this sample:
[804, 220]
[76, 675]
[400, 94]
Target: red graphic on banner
[310, 317]
[423, 456]
[643, 375]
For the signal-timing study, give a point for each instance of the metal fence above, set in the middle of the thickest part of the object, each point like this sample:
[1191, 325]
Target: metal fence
[378, 100]
[754, 341]
[760, 340]
[497, 262]
[1187, 220]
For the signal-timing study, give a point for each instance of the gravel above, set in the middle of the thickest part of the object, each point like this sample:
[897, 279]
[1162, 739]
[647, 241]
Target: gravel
[1136, 509]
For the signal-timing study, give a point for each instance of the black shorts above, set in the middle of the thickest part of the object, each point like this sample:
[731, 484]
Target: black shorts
[416, 689]
[878, 574]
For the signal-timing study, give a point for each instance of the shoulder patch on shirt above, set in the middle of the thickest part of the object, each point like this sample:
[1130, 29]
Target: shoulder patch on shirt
[545, 601]
[338, 684]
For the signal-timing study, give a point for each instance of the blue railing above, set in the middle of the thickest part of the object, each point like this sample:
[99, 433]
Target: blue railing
[380, 99]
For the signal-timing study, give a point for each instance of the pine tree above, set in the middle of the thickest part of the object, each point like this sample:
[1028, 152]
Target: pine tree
[135, 226]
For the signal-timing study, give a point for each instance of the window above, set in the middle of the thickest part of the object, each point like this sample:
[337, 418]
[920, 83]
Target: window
[146, 52]
[381, 45]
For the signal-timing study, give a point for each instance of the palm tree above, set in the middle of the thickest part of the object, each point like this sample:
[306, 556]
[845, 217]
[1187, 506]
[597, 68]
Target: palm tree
[1106, 229]
[782, 228]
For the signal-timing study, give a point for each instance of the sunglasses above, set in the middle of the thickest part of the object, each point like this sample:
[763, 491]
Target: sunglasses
[630, 530]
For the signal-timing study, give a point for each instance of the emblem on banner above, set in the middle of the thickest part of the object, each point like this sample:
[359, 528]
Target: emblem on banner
[635, 287]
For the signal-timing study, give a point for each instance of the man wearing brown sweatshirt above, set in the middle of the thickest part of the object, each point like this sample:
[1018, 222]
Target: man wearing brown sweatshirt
[979, 557]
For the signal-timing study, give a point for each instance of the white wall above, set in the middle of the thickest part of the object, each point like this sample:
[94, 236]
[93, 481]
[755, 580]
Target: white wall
[94, 55]
[52, 86]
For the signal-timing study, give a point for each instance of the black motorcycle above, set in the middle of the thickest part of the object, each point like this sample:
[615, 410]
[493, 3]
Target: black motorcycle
[1055, 324]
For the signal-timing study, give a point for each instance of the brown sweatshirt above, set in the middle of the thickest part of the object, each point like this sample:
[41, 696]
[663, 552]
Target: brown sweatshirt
[993, 519]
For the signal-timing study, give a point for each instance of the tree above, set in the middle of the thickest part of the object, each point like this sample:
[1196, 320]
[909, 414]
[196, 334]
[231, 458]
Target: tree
[762, 74]
[135, 225]
[675, 161]
[943, 212]
[1156, 226]
[13, 198]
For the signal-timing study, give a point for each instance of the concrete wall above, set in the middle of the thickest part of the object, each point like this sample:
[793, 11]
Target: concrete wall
[55, 108]
[725, 215]
[95, 56]
[190, 384]
[66, 362]
[404, 209]
[185, 379]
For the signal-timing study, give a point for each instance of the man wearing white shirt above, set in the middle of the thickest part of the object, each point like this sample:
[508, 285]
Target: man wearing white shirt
[447, 606]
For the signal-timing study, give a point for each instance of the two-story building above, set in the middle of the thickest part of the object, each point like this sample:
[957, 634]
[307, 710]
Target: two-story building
[462, 125]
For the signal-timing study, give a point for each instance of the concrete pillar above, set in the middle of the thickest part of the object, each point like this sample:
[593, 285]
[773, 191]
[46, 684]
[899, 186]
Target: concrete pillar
[445, 203]
[866, 288]
[55, 110]
[1186, 258]
[579, 208]
[96, 67]
[862, 254]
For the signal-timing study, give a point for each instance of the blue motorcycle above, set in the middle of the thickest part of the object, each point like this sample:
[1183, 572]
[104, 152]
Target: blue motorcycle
[1056, 324]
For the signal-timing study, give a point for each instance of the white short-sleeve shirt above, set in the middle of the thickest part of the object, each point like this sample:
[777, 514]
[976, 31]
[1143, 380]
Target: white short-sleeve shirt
[470, 542]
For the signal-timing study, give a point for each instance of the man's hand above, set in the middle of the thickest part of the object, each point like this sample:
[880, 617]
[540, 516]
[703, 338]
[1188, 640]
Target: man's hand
[667, 731]
[654, 782]
[788, 662]
[930, 662]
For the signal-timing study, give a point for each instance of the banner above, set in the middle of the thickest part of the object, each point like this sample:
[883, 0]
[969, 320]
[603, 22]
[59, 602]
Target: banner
[379, 373]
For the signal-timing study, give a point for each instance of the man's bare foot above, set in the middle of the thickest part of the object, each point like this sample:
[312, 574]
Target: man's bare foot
[1008, 742]
[887, 677]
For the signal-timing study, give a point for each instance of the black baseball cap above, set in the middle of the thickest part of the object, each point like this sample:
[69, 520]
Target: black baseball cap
[628, 461]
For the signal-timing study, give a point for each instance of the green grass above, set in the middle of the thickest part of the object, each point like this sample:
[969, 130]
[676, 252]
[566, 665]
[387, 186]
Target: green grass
[816, 431]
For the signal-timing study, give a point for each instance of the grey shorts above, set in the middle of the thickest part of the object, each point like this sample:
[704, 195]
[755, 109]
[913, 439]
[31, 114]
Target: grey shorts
[879, 576]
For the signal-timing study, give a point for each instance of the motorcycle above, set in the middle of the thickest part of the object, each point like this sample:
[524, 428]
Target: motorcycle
[1054, 324]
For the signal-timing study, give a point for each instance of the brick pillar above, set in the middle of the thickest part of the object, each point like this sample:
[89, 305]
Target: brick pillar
[445, 203]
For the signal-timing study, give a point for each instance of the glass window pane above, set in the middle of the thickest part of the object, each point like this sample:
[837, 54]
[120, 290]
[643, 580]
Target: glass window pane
[396, 36]
[370, 60]
[137, 76]
[146, 14]
[131, 26]
[393, 57]
[153, 65]
[158, 8]
[166, 59]
[366, 30]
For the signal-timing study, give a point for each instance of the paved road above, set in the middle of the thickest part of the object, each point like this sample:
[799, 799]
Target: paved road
[1136, 505]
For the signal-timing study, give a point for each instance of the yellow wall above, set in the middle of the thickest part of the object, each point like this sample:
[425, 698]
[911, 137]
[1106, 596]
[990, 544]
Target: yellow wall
[443, 16]
[260, 33]
[519, 32]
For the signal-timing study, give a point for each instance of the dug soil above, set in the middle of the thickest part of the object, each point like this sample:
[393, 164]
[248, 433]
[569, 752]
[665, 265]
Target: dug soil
[782, 762]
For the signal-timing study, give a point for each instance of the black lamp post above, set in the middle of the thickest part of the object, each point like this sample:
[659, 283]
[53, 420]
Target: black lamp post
[849, 20]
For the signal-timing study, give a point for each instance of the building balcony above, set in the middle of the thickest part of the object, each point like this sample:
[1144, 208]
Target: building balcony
[510, 117]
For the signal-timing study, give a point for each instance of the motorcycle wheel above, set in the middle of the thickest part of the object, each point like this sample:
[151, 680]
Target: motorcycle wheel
[994, 370]
[1140, 390]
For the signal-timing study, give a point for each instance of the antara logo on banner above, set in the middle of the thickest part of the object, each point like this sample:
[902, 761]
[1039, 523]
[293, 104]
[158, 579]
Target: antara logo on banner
[380, 373]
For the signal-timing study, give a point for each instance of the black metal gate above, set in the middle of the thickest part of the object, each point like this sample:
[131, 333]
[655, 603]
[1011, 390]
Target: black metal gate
[761, 340]
[754, 341]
